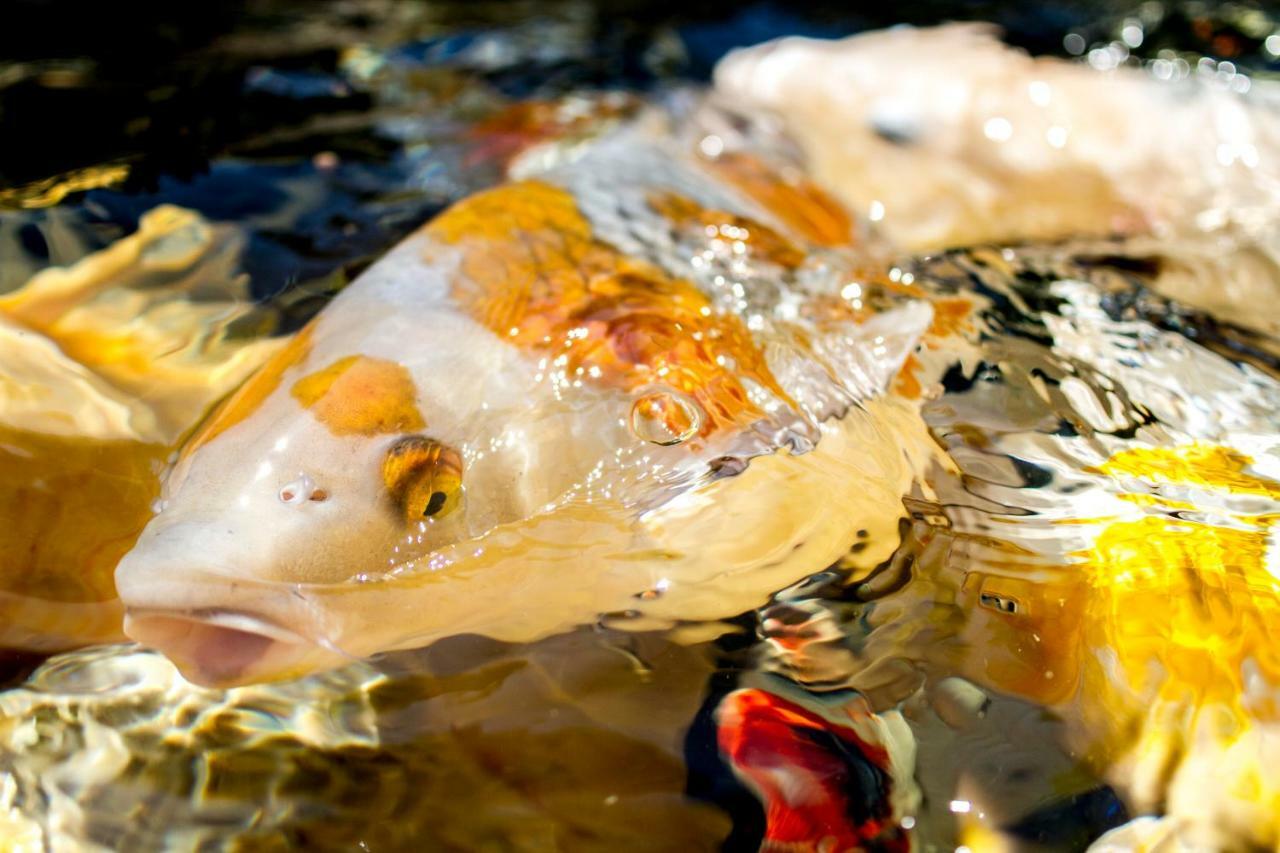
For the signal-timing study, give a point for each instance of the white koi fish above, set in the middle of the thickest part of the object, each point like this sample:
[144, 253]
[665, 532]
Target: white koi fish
[643, 386]
[946, 137]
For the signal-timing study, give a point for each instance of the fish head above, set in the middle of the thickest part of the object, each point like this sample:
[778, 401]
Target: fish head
[333, 471]
[483, 434]
[945, 136]
[349, 457]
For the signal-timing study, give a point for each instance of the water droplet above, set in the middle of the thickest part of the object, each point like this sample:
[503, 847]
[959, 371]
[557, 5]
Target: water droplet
[666, 417]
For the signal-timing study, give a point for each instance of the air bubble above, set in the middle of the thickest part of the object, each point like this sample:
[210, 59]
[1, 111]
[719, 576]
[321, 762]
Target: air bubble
[666, 417]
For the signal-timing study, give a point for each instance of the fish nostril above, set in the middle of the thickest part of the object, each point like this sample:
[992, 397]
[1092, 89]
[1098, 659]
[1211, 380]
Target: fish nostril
[301, 490]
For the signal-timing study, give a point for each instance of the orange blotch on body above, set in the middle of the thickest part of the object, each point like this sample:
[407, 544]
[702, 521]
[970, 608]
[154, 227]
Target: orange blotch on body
[533, 273]
[361, 395]
[907, 382]
[516, 128]
[951, 316]
[798, 203]
[760, 240]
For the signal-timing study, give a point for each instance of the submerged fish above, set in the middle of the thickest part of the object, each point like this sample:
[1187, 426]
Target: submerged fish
[620, 388]
[835, 778]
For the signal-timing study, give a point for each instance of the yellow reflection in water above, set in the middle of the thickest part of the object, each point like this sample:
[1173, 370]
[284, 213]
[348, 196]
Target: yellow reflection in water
[1183, 620]
[1186, 604]
[50, 191]
[1206, 465]
[1158, 648]
[104, 366]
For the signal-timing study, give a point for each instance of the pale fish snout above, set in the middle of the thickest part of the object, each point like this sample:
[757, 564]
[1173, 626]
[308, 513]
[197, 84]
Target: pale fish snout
[220, 627]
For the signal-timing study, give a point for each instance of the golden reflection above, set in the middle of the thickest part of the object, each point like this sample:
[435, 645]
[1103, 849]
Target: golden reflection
[162, 316]
[50, 191]
[72, 508]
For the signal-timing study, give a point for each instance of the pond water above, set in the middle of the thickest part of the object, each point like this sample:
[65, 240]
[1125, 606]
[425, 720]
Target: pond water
[1062, 624]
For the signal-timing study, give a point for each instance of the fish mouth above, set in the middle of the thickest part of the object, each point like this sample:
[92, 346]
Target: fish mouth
[220, 648]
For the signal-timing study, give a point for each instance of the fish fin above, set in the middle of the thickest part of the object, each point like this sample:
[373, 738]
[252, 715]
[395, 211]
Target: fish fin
[889, 338]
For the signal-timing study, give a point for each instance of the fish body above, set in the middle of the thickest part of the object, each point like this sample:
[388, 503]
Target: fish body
[640, 367]
[520, 418]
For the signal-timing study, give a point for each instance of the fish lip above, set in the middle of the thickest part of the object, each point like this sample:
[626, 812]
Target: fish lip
[225, 617]
[214, 646]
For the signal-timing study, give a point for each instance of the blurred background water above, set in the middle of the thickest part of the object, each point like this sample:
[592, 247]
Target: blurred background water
[329, 130]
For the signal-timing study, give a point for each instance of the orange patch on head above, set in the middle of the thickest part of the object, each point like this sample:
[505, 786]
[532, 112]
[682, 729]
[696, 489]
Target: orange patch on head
[249, 396]
[360, 395]
[797, 202]
[763, 242]
[534, 274]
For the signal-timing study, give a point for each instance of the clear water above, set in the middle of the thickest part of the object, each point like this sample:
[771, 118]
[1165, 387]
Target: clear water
[1073, 625]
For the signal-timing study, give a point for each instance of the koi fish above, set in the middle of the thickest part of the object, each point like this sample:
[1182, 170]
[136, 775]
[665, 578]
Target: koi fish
[838, 785]
[944, 136]
[623, 388]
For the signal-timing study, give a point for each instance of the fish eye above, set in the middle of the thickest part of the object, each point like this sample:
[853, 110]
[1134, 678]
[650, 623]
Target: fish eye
[423, 477]
[895, 121]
